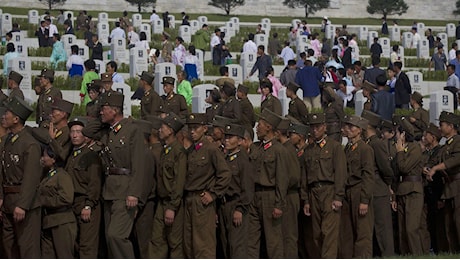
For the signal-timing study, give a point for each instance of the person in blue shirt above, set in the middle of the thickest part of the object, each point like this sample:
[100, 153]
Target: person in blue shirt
[10, 54]
[59, 54]
[456, 62]
[308, 79]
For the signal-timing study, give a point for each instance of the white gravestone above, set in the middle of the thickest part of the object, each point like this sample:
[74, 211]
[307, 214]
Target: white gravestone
[421, 28]
[184, 32]
[231, 29]
[401, 54]
[137, 61]
[450, 29]
[200, 93]
[172, 21]
[444, 40]
[285, 100]
[72, 17]
[199, 55]
[145, 27]
[223, 29]
[124, 89]
[103, 18]
[194, 26]
[33, 17]
[423, 49]
[416, 82]
[83, 52]
[202, 20]
[21, 48]
[442, 100]
[407, 39]
[236, 22]
[235, 71]
[103, 33]
[158, 26]
[395, 34]
[302, 47]
[247, 61]
[301, 39]
[362, 34]
[23, 66]
[6, 23]
[100, 66]
[266, 25]
[137, 20]
[261, 39]
[370, 37]
[16, 37]
[386, 47]
[359, 102]
[118, 50]
[330, 31]
[162, 70]
[68, 40]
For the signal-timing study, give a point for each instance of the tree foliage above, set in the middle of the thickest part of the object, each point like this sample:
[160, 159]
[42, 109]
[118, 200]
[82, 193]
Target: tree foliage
[142, 3]
[226, 5]
[457, 8]
[387, 7]
[52, 3]
[311, 6]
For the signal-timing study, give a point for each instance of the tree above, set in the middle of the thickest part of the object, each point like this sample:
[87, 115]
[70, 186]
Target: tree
[142, 3]
[457, 6]
[226, 5]
[52, 3]
[387, 7]
[311, 6]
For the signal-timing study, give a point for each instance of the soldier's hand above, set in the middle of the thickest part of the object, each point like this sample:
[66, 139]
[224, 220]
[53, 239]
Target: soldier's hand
[336, 205]
[19, 214]
[206, 198]
[277, 213]
[412, 119]
[169, 217]
[394, 206]
[441, 204]
[51, 131]
[85, 215]
[131, 201]
[430, 173]
[363, 208]
[306, 210]
[237, 218]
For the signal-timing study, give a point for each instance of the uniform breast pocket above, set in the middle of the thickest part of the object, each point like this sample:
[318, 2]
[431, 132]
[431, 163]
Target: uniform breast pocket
[325, 162]
[269, 160]
[168, 168]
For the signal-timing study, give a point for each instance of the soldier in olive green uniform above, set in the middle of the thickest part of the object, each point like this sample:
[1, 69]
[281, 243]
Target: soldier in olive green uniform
[297, 108]
[214, 99]
[270, 102]
[368, 90]
[21, 173]
[333, 108]
[123, 188]
[151, 102]
[173, 102]
[56, 194]
[207, 179]
[230, 107]
[409, 190]
[14, 80]
[419, 118]
[46, 98]
[248, 118]
[93, 108]
[357, 220]
[383, 176]
[85, 168]
[167, 47]
[325, 167]
[271, 186]
[4, 97]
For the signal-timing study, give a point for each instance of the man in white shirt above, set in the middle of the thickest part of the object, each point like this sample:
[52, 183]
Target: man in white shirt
[287, 53]
[415, 38]
[453, 51]
[154, 16]
[215, 49]
[133, 37]
[117, 32]
[250, 45]
[112, 68]
[52, 28]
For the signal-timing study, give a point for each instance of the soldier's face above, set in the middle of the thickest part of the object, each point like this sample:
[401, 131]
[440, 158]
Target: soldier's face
[387, 135]
[76, 136]
[57, 116]
[93, 94]
[232, 142]
[9, 119]
[295, 138]
[46, 161]
[446, 128]
[168, 88]
[262, 129]
[353, 131]
[164, 132]
[108, 114]
[318, 130]
[217, 134]
[197, 131]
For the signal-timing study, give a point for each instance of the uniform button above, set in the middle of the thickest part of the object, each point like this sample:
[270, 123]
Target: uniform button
[110, 141]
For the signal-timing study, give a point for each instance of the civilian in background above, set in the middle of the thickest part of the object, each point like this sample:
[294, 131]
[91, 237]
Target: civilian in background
[68, 29]
[287, 53]
[288, 74]
[97, 48]
[403, 88]
[192, 66]
[383, 102]
[452, 84]
[58, 54]
[75, 62]
[274, 46]
[42, 34]
[308, 79]
[376, 48]
[10, 54]
[262, 64]
[184, 88]
[439, 60]
[452, 51]
[88, 77]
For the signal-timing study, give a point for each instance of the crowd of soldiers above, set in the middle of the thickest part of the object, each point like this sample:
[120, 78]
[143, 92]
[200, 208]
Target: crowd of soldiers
[176, 184]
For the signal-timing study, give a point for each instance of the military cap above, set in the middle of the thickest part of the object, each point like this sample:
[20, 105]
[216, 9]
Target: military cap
[147, 77]
[417, 97]
[373, 118]
[47, 73]
[92, 129]
[2, 111]
[228, 88]
[449, 117]
[106, 77]
[93, 86]
[266, 83]
[143, 126]
[300, 129]
[173, 121]
[197, 118]
[316, 118]
[396, 119]
[284, 124]
[16, 77]
[113, 99]
[407, 126]
[220, 121]
[293, 86]
[168, 80]
[167, 35]
[330, 84]
[243, 89]
[97, 82]
[63, 105]
[369, 86]
[19, 107]
[79, 120]
[386, 124]
[358, 121]
[155, 120]
[234, 129]
[270, 117]
[434, 130]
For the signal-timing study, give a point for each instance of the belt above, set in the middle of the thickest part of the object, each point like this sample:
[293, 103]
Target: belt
[264, 188]
[293, 191]
[319, 184]
[119, 171]
[228, 198]
[11, 188]
[51, 211]
[411, 178]
[454, 177]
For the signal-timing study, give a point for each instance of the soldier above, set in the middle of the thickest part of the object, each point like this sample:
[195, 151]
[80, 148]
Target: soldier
[297, 108]
[92, 107]
[46, 97]
[357, 222]
[409, 190]
[106, 85]
[151, 103]
[333, 107]
[14, 80]
[85, 168]
[21, 173]
[230, 107]
[3, 97]
[247, 119]
[325, 167]
[271, 185]
[56, 194]
[383, 176]
[173, 102]
[270, 102]
[168, 223]
[214, 99]
[450, 168]
[37, 87]
[123, 187]
[207, 179]
[166, 47]
[419, 118]
[234, 204]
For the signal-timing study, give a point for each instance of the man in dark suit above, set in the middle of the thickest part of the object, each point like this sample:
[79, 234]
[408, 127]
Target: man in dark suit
[372, 73]
[383, 102]
[68, 29]
[403, 88]
[42, 35]
[346, 59]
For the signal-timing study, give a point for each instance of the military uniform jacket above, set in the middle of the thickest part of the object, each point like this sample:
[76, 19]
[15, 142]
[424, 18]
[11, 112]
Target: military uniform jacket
[166, 51]
[175, 103]
[207, 169]
[21, 166]
[247, 113]
[293, 166]
[361, 168]
[16, 92]
[435, 187]
[272, 103]
[298, 110]
[422, 120]
[93, 108]
[409, 163]
[126, 145]
[85, 167]
[325, 162]
[61, 144]
[383, 172]
[149, 183]
[231, 109]
[242, 182]
[450, 156]
[151, 104]
[56, 194]
[212, 111]
[303, 173]
[171, 177]
[155, 150]
[334, 114]
[45, 100]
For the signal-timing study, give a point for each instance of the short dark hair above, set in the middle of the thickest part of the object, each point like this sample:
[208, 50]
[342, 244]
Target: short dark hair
[251, 36]
[381, 80]
[223, 70]
[113, 64]
[303, 55]
[452, 66]
[10, 48]
[261, 47]
[90, 64]
[142, 36]
[311, 52]
[395, 47]
[74, 49]
[397, 64]
[117, 24]
[291, 62]
[357, 63]
[454, 44]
